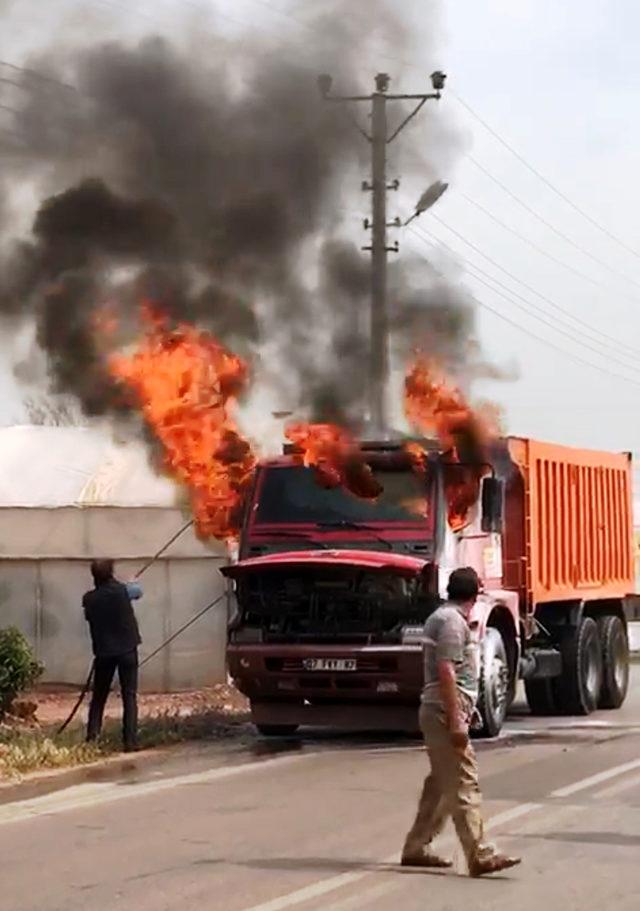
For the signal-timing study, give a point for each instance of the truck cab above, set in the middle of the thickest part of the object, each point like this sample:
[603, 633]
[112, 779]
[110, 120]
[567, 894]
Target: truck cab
[333, 590]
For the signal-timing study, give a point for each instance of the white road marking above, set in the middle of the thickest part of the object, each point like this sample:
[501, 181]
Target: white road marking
[618, 787]
[325, 886]
[356, 901]
[89, 795]
[585, 783]
[559, 727]
[84, 796]
[315, 890]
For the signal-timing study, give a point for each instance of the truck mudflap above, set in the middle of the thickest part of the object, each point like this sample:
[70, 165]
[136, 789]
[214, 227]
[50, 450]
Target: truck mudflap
[358, 717]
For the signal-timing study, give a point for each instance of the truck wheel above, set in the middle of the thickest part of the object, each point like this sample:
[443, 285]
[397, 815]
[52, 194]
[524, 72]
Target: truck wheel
[577, 689]
[615, 662]
[493, 696]
[277, 730]
[540, 697]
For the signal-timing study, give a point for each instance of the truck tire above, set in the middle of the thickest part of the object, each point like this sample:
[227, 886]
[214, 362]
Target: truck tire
[493, 695]
[277, 730]
[541, 698]
[577, 689]
[615, 662]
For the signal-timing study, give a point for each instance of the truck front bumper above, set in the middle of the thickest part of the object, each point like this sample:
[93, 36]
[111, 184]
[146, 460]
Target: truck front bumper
[382, 674]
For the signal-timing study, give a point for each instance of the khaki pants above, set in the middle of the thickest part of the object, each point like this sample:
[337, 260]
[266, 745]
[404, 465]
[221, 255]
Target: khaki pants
[451, 789]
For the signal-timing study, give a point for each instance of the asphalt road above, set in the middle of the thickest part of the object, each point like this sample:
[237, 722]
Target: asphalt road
[317, 826]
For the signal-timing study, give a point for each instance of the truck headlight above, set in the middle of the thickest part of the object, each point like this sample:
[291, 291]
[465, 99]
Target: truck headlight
[411, 635]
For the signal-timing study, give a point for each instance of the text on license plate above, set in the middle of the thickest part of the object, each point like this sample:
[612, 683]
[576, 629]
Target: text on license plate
[330, 664]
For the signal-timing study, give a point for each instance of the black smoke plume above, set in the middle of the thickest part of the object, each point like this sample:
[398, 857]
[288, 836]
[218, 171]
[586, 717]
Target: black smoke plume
[205, 183]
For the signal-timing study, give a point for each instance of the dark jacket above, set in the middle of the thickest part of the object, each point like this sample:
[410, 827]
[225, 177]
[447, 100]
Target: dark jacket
[112, 622]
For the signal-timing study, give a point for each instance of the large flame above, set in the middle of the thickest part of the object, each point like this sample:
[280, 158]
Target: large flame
[437, 408]
[336, 457]
[186, 384]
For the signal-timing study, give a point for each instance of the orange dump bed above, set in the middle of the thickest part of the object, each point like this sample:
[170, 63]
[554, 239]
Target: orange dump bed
[576, 523]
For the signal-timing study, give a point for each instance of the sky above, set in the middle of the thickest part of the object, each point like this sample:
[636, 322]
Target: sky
[557, 83]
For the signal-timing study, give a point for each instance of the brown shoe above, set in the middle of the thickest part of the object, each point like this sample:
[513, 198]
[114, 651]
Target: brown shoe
[494, 863]
[426, 859]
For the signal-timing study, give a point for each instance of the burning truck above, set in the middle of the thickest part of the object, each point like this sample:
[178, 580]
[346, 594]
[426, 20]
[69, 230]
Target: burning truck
[345, 547]
[333, 589]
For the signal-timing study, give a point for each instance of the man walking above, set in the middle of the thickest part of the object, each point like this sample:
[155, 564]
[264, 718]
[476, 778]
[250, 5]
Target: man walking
[115, 638]
[447, 705]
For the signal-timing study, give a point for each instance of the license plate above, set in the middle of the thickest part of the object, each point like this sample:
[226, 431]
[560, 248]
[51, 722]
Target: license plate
[330, 664]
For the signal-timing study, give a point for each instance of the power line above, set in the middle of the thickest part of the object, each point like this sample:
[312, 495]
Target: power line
[36, 75]
[541, 250]
[539, 338]
[541, 177]
[615, 343]
[545, 318]
[543, 220]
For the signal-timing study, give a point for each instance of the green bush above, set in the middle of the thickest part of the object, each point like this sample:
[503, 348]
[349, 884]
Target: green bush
[18, 667]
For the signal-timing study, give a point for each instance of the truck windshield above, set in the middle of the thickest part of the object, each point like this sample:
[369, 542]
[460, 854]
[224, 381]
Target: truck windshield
[292, 495]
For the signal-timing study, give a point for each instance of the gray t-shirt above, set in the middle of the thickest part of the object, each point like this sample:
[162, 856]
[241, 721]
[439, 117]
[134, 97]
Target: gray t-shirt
[447, 637]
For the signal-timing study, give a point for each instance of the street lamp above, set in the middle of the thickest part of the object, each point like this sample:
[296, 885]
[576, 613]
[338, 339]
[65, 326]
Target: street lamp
[428, 198]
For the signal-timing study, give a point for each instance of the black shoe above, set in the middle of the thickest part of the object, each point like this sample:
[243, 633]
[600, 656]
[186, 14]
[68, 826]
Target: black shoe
[131, 748]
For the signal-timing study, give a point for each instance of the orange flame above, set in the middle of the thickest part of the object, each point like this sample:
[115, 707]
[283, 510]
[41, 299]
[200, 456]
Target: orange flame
[435, 407]
[335, 455]
[186, 384]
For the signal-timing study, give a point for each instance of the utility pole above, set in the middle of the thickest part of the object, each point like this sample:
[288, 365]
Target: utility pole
[379, 346]
[380, 139]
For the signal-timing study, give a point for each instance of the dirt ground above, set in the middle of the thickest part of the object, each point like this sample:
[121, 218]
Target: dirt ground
[52, 707]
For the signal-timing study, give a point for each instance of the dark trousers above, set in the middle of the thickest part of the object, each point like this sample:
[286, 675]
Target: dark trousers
[105, 668]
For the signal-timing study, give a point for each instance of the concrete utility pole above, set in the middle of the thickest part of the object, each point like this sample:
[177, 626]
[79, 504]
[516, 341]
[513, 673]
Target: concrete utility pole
[379, 139]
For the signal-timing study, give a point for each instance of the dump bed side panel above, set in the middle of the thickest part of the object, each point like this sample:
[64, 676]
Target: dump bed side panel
[578, 522]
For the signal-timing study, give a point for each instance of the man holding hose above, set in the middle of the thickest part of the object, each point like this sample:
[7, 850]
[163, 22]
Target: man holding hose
[115, 638]
[447, 706]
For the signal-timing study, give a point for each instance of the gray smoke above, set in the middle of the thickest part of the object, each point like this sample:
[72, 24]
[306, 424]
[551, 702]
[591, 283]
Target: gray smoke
[204, 182]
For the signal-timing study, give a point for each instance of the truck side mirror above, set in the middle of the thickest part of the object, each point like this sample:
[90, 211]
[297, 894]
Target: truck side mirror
[492, 505]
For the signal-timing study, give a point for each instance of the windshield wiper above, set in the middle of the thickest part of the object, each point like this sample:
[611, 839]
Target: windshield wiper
[358, 526]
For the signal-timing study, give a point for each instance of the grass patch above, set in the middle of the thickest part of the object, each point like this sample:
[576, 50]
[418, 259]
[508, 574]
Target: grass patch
[24, 750]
